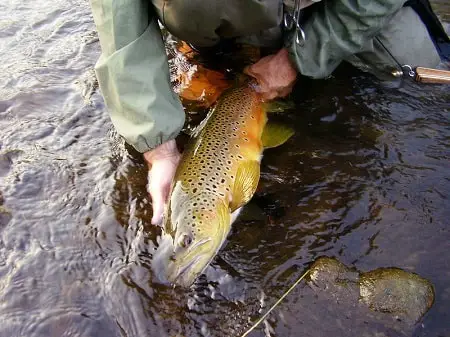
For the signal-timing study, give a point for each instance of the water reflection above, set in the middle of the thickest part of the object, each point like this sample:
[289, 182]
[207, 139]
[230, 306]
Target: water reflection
[364, 179]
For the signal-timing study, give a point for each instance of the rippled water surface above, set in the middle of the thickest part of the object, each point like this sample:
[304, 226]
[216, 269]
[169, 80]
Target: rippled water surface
[365, 179]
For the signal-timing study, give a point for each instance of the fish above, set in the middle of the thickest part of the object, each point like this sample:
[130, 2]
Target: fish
[217, 175]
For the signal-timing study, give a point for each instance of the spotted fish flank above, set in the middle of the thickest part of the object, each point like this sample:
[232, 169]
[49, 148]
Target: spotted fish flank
[217, 175]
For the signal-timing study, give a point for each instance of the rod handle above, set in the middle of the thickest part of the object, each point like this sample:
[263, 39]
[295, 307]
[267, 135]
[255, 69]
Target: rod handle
[428, 75]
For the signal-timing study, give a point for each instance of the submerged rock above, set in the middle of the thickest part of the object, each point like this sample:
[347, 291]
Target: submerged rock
[6, 161]
[5, 216]
[393, 290]
[405, 296]
[334, 277]
[326, 272]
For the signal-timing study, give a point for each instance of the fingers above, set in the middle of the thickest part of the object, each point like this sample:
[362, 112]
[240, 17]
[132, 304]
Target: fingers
[163, 162]
[269, 95]
[263, 87]
[156, 198]
[273, 93]
[160, 178]
[158, 208]
[159, 185]
[275, 75]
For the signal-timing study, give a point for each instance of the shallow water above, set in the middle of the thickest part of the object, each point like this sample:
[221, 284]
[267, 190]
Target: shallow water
[365, 179]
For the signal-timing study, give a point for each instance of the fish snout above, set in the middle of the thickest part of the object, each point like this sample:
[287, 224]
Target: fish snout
[188, 262]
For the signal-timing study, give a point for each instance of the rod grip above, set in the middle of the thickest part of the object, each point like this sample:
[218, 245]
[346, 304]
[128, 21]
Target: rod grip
[428, 75]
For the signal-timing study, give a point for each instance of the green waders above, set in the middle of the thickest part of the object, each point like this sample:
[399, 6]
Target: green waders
[376, 35]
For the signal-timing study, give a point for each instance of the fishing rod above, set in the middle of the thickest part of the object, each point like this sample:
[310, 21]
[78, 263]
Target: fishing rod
[428, 75]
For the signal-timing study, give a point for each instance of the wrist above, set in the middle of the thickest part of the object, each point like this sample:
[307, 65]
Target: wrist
[165, 150]
[286, 57]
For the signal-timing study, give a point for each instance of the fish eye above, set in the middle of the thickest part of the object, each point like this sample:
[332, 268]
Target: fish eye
[185, 240]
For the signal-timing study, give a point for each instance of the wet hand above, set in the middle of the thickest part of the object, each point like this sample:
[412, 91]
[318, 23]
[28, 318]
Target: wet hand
[275, 74]
[163, 161]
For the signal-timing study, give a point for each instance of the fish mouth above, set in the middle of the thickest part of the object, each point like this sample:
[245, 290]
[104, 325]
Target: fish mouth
[182, 272]
[182, 275]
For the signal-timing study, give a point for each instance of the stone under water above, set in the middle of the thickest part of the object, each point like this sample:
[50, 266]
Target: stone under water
[404, 295]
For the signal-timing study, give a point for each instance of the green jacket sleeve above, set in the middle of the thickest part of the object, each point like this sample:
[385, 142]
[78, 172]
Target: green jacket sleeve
[133, 73]
[338, 29]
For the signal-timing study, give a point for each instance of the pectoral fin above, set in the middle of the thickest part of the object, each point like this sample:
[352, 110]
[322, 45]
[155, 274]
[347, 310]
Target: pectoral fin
[278, 106]
[275, 135]
[247, 178]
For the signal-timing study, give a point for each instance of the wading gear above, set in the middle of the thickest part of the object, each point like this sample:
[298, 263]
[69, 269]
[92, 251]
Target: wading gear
[377, 35]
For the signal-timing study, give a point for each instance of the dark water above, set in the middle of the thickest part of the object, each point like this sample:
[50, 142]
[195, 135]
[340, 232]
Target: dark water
[365, 179]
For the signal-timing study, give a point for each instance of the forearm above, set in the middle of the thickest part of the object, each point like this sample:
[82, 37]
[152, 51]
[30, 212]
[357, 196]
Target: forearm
[337, 30]
[133, 73]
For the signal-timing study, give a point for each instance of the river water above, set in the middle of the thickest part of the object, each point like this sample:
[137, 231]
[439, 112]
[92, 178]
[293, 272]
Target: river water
[365, 179]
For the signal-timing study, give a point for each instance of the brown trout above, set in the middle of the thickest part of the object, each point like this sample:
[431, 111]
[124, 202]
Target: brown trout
[217, 175]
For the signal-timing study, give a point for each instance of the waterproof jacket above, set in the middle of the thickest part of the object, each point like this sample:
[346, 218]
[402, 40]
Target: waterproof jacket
[133, 71]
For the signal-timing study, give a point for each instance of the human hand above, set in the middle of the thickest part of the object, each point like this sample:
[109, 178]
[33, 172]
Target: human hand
[275, 75]
[163, 161]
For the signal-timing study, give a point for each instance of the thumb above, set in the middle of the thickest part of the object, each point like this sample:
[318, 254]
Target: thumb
[248, 70]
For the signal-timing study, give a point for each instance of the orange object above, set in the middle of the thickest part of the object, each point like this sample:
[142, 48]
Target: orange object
[186, 50]
[199, 84]
[204, 86]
